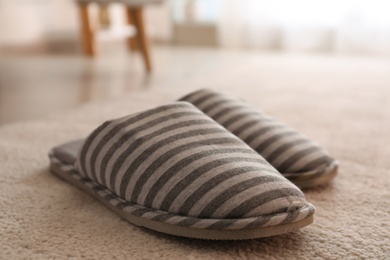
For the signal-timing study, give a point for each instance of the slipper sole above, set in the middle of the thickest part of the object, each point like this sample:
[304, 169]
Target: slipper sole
[314, 179]
[213, 234]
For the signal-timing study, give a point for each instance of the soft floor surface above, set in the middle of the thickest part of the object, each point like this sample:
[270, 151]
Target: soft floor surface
[342, 105]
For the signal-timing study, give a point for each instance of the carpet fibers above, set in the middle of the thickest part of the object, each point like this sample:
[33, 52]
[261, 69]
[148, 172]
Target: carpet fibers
[346, 109]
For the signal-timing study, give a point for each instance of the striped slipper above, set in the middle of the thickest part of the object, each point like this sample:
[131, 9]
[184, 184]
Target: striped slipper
[298, 158]
[174, 170]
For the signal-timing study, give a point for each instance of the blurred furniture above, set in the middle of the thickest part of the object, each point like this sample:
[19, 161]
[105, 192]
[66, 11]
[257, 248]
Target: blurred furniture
[195, 22]
[134, 12]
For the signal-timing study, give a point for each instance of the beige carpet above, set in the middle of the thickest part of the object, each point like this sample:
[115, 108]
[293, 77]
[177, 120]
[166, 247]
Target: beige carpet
[343, 104]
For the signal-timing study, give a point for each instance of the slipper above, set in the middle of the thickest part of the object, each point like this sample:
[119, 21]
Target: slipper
[174, 170]
[295, 156]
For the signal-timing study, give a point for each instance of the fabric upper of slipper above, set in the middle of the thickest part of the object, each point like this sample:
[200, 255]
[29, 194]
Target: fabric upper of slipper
[290, 152]
[176, 159]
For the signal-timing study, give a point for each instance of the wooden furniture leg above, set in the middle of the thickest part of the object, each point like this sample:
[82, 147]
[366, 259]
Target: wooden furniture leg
[142, 40]
[132, 41]
[87, 31]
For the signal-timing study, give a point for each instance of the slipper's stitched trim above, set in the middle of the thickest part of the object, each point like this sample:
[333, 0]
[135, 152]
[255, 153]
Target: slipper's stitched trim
[322, 171]
[174, 219]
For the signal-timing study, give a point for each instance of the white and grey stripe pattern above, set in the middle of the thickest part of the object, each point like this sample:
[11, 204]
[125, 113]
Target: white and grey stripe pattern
[174, 164]
[291, 153]
[170, 218]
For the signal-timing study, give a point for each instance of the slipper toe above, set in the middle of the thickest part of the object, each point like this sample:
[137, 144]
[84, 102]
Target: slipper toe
[297, 157]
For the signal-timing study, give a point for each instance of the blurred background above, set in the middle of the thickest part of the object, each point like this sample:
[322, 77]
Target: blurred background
[43, 68]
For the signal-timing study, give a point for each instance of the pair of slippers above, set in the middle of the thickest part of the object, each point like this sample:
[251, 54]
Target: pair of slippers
[208, 166]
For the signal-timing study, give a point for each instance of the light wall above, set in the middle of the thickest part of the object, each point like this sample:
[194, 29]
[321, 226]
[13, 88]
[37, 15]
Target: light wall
[29, 22]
